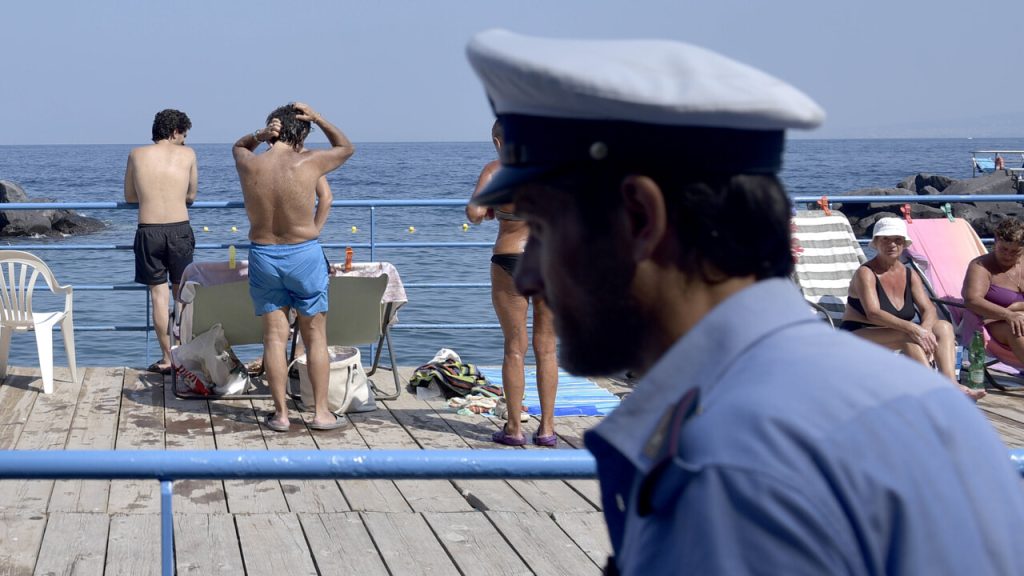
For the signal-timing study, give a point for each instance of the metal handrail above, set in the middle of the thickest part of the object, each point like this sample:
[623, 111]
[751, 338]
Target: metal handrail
[170, 465]
[372, 244]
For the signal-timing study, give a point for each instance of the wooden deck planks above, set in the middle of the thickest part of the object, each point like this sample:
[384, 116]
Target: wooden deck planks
[475, 544]
[21, 535]
[274, 544]
[362, 495]
[189, 426]
[206, 544]
[341, 544]
[74, 543]
[407, 544]
[390, 428]
[544, 546]
[235, 428]
[46, 428]
[16, 401]
[140, 427]
[548, 527]
[133, 545]
[475, 432]
[94, 427]
[589, 531]
[302, 495]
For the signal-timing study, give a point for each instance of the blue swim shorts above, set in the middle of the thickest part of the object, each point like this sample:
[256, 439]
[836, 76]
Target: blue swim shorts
[293, 275]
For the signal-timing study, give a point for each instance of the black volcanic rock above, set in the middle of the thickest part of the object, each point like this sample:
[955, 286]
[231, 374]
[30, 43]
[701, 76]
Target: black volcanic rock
[40, 222]
[983, 216]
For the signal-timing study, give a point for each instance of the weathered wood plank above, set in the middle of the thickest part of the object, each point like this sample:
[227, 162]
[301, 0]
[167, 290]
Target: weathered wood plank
[341, 544]
[302, 495]
[589, 531]
[93, 428]
[273, 544]
[475, 431]
[235, 428]
[544, 546]
[16, 400]
[20, 538]
[133, 545]
[382, 430]
[206, 544]
[475, 544]
[188, 426]
[45, 429]
[362, 495]
[140, 427]
[74, 543]
[570, 430]
[1010, 431]
[1009, 405]
[407, 544]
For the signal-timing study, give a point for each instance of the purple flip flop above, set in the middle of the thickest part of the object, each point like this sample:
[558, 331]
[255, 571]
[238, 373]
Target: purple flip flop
[549, 441]
[502, 437]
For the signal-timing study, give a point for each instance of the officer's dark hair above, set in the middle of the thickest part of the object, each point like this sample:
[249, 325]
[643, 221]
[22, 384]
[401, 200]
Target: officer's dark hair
[167, 121]
[293, 130]
[726, 226]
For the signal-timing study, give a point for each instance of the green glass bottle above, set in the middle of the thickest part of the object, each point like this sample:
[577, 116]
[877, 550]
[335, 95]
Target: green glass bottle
[977, 356]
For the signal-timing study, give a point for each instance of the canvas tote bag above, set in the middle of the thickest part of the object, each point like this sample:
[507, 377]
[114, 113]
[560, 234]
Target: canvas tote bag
[348, 390]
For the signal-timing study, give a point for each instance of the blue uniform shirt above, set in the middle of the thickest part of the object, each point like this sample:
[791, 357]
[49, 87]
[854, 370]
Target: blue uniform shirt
[765, 442]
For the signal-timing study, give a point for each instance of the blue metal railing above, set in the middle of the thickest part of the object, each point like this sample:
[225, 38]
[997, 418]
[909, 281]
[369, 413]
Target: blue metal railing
[170, 465]
[373, 245]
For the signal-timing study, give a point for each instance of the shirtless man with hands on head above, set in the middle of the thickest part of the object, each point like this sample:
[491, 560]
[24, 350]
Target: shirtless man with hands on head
[287, 266]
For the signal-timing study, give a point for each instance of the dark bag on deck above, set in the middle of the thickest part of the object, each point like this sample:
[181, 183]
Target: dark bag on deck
[453, 378]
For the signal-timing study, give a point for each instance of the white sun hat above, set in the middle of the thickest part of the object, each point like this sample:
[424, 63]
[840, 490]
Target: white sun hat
[891, 227]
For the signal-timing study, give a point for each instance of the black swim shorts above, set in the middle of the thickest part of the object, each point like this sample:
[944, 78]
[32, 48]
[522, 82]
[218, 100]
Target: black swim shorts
[161, 249]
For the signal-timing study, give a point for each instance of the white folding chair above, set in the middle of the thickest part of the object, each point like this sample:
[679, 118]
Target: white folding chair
[18, 274]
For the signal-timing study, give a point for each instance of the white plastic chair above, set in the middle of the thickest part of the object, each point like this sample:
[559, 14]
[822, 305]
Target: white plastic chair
[18, 274]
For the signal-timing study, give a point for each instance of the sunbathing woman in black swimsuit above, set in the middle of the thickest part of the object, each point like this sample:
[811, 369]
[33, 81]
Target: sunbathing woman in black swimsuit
[885, 297]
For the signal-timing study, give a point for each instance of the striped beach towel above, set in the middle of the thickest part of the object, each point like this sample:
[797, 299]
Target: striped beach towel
[576, 395]
[827, 255]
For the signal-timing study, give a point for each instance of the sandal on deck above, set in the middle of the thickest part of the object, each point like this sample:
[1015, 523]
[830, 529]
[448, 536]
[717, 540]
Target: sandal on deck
[503, 437]
[549, 441]
[275, 426]
[338, 423]
[155, 367]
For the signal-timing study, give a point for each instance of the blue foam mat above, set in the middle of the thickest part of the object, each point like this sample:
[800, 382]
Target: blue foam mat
[576, 395]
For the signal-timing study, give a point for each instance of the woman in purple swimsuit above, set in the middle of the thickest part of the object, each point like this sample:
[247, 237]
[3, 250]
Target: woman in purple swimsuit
[994, 287]
[511, 308]
[885, 297]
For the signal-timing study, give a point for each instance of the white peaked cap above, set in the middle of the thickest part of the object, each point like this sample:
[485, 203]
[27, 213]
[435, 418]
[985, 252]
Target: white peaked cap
[652, 99]
[651, 81]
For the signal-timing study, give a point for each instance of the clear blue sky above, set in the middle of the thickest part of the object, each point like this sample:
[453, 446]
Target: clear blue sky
[95, 72]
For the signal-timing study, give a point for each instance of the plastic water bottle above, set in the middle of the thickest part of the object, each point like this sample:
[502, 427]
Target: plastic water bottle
[977, 355]
[348, 259]
[231, 257]
[960, 363]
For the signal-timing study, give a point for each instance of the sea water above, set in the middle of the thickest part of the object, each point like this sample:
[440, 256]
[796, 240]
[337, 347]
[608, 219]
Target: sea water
[420, 170]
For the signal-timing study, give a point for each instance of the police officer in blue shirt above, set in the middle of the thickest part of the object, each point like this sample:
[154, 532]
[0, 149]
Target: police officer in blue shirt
[758, 441]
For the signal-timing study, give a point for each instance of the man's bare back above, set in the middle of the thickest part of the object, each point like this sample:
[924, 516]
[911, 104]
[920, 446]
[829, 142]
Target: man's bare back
[162, 178]
[280, 185]
[279, 190]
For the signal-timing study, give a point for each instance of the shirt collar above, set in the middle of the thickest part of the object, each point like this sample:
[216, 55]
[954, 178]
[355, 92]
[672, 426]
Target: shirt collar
[699, 359]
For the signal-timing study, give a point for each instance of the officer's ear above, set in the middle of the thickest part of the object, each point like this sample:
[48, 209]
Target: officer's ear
[644, 207]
